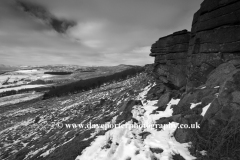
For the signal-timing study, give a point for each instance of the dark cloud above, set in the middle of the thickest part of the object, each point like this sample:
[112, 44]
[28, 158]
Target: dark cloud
[104, 32]
[40, 12]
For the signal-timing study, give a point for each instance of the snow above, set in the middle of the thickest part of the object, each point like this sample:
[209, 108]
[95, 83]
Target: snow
[203, 152]
[47, 76]
[119, 102]
[124, 142]
[165, 140]
[27, 71]
[20, 112]
[71, 106]
[193, 105]
[33, 153]
[203, 87]
[18, 98]
[205, 109]
[144, 92]
[67, 141]
[22, 77]
[67, 101]
[47, 152]
[12, 78]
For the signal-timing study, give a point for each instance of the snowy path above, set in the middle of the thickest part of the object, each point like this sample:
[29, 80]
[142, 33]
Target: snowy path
[125, 143]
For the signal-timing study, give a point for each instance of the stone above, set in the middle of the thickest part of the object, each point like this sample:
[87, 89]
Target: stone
[155, 92]
[167, 120]
[164, 120]
[213, 31]
[156, 150]
[197, 95]
[222, 73]
[236, 97]
[144, 134]
[181, 134]
[163, 100]
[37, 119]
[125, 111]
[177, 157]
[170, 54]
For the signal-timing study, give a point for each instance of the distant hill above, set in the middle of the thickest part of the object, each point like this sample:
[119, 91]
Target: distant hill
[6, 68]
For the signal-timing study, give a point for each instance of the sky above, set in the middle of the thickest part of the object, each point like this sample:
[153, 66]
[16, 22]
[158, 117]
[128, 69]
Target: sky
[88, 32]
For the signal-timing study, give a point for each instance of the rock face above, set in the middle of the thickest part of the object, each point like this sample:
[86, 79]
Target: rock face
[215, 38]
[170, 54]
[220, 96]
[205, 64]
[185, 57]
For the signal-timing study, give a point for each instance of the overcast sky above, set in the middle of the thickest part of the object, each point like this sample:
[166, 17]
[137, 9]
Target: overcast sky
[103, 32]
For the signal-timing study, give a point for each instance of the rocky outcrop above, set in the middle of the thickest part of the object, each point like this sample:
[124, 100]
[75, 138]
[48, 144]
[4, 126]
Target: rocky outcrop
[215, 38]
[206, 62]
[217, 111]
[185, 57]
[170, 54]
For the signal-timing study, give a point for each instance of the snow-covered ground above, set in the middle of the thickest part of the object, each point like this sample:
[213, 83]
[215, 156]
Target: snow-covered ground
[33, 126]
[14, 99]
[27, 71]
[12, 78]
[22, 77]
[125, 143]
